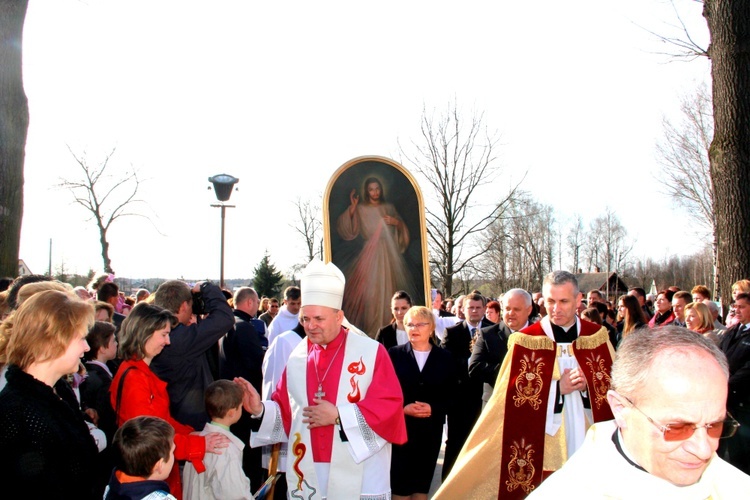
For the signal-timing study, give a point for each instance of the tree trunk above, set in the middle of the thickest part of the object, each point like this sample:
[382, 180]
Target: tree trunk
[14, 125]
[729, 155]
[715, 266]
[105, 252]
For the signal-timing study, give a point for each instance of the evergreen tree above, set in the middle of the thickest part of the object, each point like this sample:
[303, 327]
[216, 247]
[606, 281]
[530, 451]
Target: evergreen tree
[267, 281]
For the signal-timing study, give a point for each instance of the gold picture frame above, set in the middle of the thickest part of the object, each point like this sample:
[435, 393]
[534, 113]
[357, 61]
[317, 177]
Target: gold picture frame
[379, 241]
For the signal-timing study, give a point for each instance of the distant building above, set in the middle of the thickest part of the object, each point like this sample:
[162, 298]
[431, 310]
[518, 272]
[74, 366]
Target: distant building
[23, 269]
[610, 284]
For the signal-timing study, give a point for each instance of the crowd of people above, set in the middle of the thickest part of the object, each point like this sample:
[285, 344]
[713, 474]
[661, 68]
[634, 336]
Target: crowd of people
[194, 392]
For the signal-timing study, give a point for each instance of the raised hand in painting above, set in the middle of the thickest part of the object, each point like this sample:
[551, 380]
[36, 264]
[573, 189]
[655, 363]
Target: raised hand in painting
[353, 201]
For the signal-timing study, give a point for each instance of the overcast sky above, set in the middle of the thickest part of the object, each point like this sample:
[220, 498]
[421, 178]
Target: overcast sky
[281, 94]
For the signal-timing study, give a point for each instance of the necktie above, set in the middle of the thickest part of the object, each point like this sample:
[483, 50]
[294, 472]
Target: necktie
[473, 333]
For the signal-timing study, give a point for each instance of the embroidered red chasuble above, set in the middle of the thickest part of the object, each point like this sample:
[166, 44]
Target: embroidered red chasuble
[508, 445]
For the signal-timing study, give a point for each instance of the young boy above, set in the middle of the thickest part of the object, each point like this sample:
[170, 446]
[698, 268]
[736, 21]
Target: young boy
[95, 388]
[94, 393]
[144, 456]
[224, 477]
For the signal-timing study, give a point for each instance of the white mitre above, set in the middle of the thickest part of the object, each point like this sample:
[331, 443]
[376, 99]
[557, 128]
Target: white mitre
[322, 285]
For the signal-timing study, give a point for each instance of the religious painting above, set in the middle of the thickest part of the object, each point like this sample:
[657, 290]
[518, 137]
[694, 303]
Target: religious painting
[375, 232]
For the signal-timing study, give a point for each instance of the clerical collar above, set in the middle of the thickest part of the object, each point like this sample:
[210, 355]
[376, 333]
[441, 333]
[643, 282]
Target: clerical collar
[566, 328]
[617, 439]
[563, 334]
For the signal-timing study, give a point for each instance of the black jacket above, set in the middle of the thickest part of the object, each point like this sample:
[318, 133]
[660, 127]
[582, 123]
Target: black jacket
[387, 336]
[242, 350]
[135, 490]
[735, 343]
[490, 349]
[47, 450]
[183, 364]
[95, 394]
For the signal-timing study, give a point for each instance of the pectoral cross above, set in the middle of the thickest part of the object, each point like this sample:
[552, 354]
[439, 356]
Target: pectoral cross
[319, 393]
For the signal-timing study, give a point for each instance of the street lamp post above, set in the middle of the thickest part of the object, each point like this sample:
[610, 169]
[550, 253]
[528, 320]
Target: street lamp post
[223, 184]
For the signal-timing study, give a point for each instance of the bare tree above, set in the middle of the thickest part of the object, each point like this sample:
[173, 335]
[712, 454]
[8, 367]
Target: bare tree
[309, 225]
[520, 246]
[456, 157]
[607, 246]
[533, 233]
[575, 241]
[97, 191]
[686, 172]
[592, 246]
[14, 125]
[680, 39]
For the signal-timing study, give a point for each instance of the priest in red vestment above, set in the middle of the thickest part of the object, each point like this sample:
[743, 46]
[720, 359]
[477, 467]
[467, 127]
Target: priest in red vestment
[551, 387]
[338, 404]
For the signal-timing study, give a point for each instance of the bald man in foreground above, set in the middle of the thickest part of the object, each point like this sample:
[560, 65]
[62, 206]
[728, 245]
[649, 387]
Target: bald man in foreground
[668, 397]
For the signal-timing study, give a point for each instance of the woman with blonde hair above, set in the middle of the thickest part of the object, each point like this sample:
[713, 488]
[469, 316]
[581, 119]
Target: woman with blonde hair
[24, 293]
[429, 380]
[47, 449]
[698, 319]
[738, 287]
[741, 286]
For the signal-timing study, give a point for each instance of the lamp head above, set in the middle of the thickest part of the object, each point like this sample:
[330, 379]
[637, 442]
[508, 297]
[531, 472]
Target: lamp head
[223, 184]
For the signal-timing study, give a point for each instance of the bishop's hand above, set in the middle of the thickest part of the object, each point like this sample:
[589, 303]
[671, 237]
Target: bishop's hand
[250, 397]
[321, 414]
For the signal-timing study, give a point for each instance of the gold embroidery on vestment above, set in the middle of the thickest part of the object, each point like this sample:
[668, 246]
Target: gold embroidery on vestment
[600, 378]
[529, 382]
[521, 467]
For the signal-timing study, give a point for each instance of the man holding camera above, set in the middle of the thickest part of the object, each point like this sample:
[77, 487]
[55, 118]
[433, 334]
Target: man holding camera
[183, 364]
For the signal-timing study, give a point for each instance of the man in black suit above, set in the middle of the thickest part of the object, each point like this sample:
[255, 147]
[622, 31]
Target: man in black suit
[459, 339]
[241, 353]
[735, 343]
[491, 344]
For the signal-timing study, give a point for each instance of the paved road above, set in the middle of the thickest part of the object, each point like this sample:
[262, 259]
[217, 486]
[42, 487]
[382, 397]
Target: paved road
[438, 469]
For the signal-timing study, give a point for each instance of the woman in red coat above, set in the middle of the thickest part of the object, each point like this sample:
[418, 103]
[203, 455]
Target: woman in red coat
[137, 391]
[663, 315]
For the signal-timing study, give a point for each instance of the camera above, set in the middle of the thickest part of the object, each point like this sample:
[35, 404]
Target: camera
[199, 306]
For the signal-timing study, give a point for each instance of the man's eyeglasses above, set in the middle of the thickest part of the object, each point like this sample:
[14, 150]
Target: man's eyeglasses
[416, 325]
[681, 431]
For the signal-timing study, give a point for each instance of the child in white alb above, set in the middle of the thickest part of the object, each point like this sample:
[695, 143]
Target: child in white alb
[224, 478]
